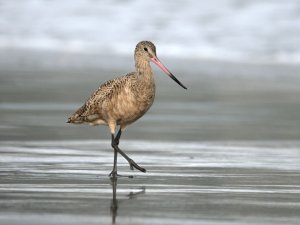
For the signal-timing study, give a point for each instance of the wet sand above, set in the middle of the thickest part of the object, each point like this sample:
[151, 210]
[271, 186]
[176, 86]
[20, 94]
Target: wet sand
[47, 182]
[226, 151]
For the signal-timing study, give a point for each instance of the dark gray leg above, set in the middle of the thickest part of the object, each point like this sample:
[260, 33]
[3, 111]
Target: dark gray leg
[114, 144]
[114, 173]
[117, 139]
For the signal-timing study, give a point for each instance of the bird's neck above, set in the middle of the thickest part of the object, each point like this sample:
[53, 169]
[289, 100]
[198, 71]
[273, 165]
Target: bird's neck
[144, 85]
[144, 71]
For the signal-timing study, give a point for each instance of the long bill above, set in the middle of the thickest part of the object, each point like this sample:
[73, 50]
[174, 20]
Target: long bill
[160, 65]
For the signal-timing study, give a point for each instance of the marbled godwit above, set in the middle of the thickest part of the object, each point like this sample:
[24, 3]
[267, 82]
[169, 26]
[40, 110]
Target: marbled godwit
[123, 100]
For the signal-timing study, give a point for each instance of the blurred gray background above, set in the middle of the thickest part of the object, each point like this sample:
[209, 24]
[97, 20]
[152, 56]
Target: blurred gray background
[239, 58]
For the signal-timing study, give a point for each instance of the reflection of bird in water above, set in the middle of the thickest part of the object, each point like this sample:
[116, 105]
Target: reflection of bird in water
[123, 100]
[114, 201]
[133, 195]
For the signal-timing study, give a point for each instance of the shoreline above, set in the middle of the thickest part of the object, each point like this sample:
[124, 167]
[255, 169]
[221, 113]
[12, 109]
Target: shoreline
[27, 60]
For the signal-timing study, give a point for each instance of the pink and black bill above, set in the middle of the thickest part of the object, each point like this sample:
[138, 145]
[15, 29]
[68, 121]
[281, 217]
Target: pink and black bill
[160, 65]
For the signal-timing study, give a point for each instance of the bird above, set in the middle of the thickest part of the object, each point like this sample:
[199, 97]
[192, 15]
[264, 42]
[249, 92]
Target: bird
[121, 101]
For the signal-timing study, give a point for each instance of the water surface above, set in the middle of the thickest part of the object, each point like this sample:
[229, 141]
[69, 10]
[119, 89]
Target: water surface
[43, 182]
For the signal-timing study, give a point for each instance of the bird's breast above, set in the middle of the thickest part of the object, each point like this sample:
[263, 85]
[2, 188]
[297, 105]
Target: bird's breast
[130, 106]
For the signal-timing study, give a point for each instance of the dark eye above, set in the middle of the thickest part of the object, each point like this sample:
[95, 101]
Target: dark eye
[146, 49]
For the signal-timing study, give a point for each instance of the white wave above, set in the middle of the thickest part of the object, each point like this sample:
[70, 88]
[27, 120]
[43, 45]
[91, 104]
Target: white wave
[243, 30]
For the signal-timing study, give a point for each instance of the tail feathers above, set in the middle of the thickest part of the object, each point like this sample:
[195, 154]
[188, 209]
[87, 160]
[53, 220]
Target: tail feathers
[82, 115]
[75, 119]
[78, 119]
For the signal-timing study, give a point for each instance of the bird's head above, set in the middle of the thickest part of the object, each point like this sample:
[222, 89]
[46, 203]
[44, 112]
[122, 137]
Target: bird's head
[146, 51]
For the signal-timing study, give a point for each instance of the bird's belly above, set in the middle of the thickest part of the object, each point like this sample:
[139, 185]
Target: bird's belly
[129, 110]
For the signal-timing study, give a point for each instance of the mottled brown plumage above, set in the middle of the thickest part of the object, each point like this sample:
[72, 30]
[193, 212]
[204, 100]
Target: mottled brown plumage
[123, 100]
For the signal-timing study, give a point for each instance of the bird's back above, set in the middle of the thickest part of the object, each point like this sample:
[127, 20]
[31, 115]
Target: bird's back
[92, 110]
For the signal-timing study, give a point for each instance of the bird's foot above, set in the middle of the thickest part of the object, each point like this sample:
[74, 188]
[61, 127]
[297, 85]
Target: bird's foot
[133, 164]
[113, 174]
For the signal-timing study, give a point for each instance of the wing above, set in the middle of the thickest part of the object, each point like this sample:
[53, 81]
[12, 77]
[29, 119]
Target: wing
[92, 109]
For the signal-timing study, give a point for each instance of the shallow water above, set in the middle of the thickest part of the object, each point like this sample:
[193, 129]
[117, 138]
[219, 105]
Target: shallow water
[186, 183]
[223, 102]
